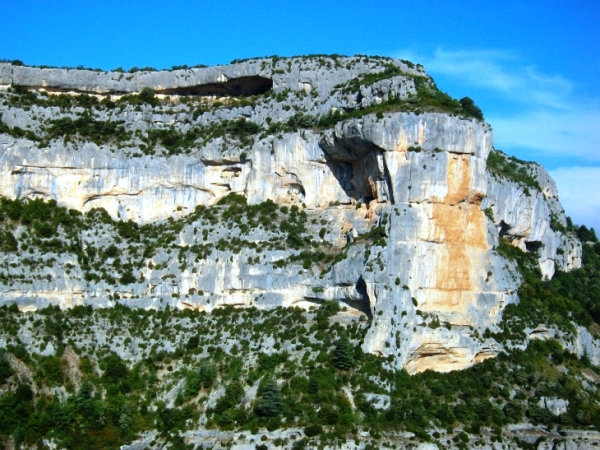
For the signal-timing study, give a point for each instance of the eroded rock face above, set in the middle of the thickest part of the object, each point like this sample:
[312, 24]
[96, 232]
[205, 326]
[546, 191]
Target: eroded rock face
[525, 216]
[431, 290]
[440, 245]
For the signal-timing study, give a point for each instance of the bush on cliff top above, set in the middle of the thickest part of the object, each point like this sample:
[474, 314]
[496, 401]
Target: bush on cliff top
[512, 168]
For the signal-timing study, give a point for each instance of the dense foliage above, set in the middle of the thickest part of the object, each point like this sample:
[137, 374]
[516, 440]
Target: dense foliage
[570, 297]
[300, 384]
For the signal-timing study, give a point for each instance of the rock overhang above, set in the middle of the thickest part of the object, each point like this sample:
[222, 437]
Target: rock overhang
[202, 81]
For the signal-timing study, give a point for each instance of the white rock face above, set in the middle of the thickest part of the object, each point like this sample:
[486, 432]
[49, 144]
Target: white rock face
[378, 401]
[585, 344]
[556, 406]
[526, 218]
[432, 290]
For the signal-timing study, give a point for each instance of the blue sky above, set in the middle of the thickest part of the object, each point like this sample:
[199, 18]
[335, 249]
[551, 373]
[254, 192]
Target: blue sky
[532, 66]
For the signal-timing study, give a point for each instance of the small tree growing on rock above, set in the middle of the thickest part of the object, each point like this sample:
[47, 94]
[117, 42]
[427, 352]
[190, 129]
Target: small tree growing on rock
[469, 107]
[147, 96]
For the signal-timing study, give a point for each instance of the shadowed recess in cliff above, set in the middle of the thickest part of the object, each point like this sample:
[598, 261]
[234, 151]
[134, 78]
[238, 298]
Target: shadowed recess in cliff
[353, 306]
[245, 86]
[365, 304]
[360, 168]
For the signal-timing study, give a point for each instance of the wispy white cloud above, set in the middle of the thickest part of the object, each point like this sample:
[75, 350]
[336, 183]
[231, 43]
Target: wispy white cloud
[499, 71]
[579, 193]
[572, 134]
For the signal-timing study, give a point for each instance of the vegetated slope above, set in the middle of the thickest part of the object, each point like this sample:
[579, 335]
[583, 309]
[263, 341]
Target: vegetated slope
[184, 370]
[354, 193]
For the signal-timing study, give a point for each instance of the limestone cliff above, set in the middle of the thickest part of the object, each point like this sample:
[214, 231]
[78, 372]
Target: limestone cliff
[352, 142]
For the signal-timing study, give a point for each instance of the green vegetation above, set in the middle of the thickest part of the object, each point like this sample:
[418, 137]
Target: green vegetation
[87, 129]
[91, 125]
[111, 252]
[176, 142]
[584, 234]
[21, 97]
[269, 403]
[514, 169]
[367, 79]
[145, 97]
[470, 108]
[116, 399]
[14, 62]
[343, 356]
[17, 132]
[5, 369]
[569, 296]
[428, 98]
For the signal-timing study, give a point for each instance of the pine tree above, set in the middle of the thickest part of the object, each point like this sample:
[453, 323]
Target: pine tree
[84, 399]
[343, 355]
[269, 404]
[18, 436]
[5, 369]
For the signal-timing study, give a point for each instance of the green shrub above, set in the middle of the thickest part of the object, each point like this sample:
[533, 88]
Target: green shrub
[471, 109]
[147, 96]
[313, 430]
[233, 395]
[5, 369]
[115, 369]
[8, 242]
[52, 368]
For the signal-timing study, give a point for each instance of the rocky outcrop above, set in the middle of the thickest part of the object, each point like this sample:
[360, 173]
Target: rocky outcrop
[556, 406]
[527, 217]
[431, 285]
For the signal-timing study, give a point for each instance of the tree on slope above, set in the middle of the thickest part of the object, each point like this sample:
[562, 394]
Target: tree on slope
[343, 355]
[270, 402]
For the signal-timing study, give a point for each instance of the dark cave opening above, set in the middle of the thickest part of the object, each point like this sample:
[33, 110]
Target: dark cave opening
[243, 86]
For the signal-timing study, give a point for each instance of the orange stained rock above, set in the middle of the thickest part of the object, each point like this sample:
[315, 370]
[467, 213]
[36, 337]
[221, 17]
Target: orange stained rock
[462, 228]
[435, 356]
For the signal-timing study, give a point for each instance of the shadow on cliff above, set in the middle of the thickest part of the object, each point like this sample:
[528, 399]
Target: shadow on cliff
[244, 86]
[359, 167]
[361, 305]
